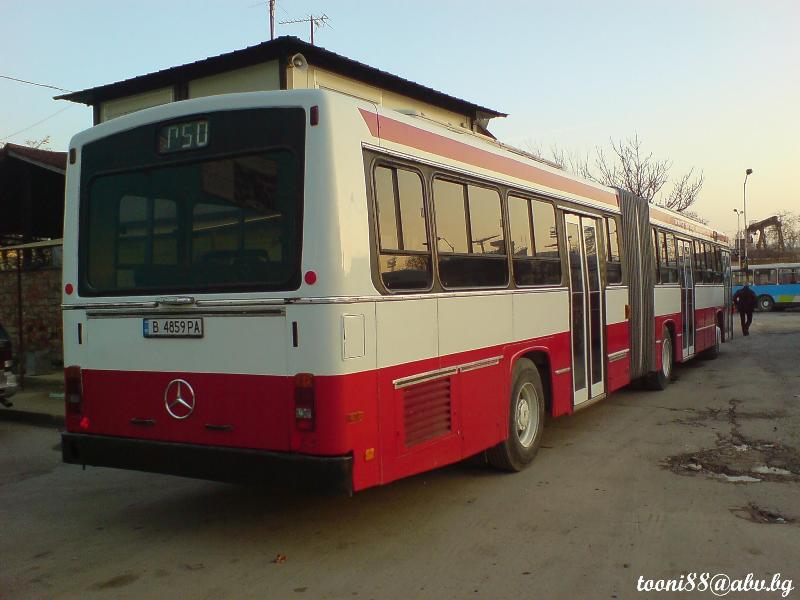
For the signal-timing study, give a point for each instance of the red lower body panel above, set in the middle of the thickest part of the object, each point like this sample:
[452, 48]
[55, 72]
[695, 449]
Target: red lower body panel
[391, 431]
[619, 370]
[706, 321]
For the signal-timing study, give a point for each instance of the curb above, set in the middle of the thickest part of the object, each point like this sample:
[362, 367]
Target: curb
[32, 418]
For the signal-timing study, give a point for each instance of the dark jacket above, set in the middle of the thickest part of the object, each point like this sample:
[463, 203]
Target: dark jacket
[745, 300]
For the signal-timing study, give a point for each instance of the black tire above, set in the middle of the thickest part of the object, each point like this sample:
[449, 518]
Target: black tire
[766, 303]
[660, 379]
[713, 352]
[524, 435]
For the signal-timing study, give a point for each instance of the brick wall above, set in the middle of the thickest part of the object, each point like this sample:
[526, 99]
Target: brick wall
[41, 310]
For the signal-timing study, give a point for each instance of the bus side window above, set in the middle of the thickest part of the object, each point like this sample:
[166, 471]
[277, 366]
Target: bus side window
[764, 276]
[469, 235]
[534, 242]
[720, 265]
[699, 263]
[725, 264]
[654, 239]
[405, 255]
[789, 276]
[669, 265]
[705, 263]
[613, 262]
[710, 268]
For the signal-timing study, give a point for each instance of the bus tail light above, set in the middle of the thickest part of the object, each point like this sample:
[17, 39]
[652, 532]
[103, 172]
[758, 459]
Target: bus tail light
[73, 390]
[304, 413]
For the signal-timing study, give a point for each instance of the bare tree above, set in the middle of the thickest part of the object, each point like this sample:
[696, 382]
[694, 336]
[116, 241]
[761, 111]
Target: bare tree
[630, 167]
[684, 192]
[790, 224]
[42, 143]
[573, 162]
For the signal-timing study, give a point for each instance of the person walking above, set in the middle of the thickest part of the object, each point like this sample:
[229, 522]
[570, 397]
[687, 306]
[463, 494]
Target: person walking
[745, 301]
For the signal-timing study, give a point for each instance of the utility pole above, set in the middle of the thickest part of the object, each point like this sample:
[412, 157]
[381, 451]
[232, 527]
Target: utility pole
[746, 231]
[738, 236]
[313, 21]
[272, 19]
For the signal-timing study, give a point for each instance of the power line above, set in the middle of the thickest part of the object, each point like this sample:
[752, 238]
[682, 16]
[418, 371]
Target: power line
[58, 112]
[44, 85]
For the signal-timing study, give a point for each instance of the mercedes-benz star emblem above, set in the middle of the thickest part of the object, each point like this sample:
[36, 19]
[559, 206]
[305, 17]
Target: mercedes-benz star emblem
[179, 399]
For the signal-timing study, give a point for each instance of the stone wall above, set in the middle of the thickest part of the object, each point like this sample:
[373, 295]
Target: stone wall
[41, 314]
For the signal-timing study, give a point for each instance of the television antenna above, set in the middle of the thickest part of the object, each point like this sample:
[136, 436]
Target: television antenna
[314, 22]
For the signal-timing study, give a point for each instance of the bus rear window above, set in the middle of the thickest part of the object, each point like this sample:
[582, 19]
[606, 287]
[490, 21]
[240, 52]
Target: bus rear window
[219, 223]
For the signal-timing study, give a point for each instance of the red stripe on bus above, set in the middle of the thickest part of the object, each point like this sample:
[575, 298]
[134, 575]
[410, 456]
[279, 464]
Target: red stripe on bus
[434, 143]
[687, 226]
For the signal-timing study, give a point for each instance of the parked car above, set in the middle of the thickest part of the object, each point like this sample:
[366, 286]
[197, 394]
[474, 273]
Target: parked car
[8, 380]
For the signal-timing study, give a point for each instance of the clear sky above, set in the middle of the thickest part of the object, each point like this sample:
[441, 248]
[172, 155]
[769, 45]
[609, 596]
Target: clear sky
[710, 84]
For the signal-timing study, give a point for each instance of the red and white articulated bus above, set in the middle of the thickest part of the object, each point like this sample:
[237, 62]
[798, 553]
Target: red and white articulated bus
[301, 281]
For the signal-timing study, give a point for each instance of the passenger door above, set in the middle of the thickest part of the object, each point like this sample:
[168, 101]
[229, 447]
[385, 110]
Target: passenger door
[726, 281]
[586, 307]
[686, 280]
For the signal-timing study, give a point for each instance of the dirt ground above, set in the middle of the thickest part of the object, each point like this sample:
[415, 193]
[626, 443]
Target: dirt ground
[704, 477]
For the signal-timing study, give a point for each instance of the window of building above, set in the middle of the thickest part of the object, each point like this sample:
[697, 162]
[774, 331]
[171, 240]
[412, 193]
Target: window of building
[405, 255]
[534, 242]
[469, 235]
[613, 260]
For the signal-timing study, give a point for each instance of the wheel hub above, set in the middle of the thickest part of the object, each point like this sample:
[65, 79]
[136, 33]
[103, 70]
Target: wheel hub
[666, 357]
[526, 415]
[523, 416]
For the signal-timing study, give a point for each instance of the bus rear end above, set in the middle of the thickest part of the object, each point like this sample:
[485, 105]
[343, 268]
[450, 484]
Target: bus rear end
[183, 239]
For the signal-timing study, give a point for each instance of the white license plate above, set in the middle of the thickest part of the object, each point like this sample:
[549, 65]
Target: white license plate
[174, 328]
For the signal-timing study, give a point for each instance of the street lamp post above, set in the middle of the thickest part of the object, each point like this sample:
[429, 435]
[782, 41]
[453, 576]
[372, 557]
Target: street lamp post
[744, 201]
[738, 237]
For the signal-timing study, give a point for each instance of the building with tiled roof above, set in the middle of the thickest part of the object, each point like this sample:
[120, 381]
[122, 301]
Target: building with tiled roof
[284, 63]
[31, 193]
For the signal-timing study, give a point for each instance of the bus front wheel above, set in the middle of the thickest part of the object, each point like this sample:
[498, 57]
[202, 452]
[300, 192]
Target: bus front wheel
[525, 420]
[766, 303]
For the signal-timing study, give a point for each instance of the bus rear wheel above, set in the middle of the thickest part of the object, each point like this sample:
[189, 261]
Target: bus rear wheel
[661, 378]
[766, 303]
[525, 420]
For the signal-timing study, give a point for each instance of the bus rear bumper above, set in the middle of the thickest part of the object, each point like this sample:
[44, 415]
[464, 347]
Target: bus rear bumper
[218, 463]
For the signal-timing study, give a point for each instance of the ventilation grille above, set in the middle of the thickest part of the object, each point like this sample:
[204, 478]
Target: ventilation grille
[426, 408]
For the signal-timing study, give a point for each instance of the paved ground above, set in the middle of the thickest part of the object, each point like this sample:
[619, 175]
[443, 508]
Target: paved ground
[701, 478]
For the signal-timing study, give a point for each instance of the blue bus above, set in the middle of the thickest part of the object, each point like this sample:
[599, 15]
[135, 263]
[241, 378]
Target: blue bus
[777, 285]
